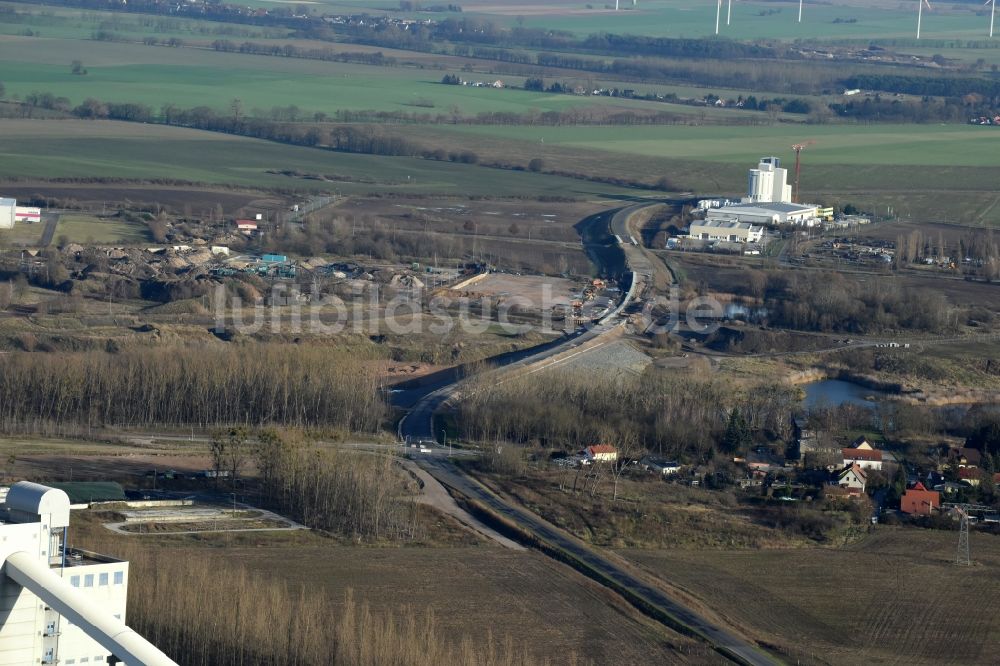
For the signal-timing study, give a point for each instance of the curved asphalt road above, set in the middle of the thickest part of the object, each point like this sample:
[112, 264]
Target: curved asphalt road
[418, 424]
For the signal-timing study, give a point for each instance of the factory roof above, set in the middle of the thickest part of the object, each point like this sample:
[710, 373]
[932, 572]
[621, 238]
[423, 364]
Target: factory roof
[770, 207]
[725, 224]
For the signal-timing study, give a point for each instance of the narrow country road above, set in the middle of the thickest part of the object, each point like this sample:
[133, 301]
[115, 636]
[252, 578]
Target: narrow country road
[51, 221]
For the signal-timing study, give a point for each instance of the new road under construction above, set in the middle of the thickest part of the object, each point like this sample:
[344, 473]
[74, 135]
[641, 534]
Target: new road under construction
[646, 275]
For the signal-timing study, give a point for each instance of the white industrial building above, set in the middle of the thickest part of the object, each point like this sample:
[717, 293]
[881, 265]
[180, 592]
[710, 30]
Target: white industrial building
[768, 183]
[8, 209]
[726, 230]
[60, 605]
[29, 214]
[770, 214]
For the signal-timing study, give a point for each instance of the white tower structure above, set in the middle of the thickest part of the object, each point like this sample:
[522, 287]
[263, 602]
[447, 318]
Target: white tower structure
[768, 183]
[60, 605]
[7, 209]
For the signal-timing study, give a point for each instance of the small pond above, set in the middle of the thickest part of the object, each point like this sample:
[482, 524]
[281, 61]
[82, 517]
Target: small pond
[836, 392]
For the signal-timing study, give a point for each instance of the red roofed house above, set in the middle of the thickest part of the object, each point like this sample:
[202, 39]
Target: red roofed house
[862, 454]
[853, 478]
[246, 226]
[601, 453]
[919, 500]
[969, 475]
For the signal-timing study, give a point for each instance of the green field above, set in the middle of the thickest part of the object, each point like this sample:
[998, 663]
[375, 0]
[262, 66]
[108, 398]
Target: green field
[22, 234]
[750, 20]
[74, 149]
[945, 145]
[90, 229]
[68, 23]
[189, 77]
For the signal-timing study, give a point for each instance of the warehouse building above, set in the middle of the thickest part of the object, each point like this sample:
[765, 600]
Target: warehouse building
[768, 214]
[60, 605]
[726, 230]
[8, 209]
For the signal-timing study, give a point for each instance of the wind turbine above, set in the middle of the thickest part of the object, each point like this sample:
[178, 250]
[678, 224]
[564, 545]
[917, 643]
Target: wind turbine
[993, 13]
[800, 11]
[718, 14]
[920, 13]
[729, 12]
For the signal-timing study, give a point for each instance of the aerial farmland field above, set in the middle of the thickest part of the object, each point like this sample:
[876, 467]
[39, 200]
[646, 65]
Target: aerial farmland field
[912, 606]
[750, 20]
[48, 149]
[190, 77]
[941, 145]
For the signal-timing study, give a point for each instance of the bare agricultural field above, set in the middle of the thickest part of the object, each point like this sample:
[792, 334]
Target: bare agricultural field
[516, 235]
[546, 606]
[895, 597]
[474, 591]
[197, 200]
[530, 220]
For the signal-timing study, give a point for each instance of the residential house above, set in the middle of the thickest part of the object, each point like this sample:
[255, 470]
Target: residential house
[601, 453]
[948, 487]
[919, 500]
[863, 454]
[969, 475]
[248, 227]
[853, 478]
[967, 457]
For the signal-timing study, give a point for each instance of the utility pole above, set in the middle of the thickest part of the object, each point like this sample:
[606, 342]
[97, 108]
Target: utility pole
[962, 559]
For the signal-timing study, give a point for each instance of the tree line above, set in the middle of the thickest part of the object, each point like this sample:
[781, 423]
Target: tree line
[347, 493]
[291, 51]
[201, 386]
[681, 417]
[825, 301]
[931, 86]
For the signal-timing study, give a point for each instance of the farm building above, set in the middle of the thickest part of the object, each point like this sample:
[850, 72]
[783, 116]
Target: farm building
[726, 230]
[767, 214]
[768, 182]
[8, 208]
[920, 500]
